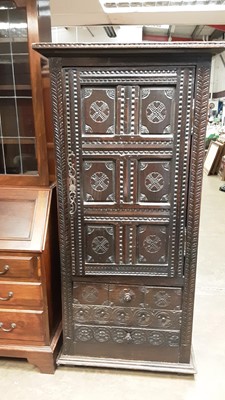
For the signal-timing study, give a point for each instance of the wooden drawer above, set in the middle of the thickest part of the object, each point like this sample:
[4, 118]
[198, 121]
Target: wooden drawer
[24, 325]
[164, 298]
[90, 294]
[127, 316]
[21, 294]
[17, 267]
[129, 336]
[126, 295]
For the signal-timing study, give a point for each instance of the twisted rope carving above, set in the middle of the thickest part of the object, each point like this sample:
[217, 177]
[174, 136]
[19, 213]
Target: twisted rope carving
[197, 155]
[63, 201]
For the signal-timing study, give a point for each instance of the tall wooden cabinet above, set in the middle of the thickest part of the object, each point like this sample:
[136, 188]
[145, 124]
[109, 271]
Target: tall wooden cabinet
[30, 310]
[129, 127]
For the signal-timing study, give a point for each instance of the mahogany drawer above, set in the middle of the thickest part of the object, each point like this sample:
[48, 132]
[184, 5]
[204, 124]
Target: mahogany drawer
[20, 294]
[24, 325]
[17, 267]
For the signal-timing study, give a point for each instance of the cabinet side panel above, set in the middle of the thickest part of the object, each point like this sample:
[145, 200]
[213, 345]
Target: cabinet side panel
[62, 193]
[194, 201]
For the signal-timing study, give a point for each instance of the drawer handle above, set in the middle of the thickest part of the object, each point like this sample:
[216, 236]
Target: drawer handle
[13, 326]
[5, 269]
[10, 295]
[127, 297]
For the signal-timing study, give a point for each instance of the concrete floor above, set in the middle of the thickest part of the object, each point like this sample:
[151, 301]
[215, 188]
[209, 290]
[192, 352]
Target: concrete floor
[19, 380]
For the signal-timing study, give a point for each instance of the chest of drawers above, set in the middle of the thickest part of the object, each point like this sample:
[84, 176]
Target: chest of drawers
[30, 312]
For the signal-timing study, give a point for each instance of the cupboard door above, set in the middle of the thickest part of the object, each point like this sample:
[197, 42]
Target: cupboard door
[128, 139]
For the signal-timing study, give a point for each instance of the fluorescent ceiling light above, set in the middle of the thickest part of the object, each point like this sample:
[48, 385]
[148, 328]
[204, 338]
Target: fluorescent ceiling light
[122, 6]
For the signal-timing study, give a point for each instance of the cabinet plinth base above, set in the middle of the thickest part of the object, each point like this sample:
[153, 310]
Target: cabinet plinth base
[43, 357]
[153, 366]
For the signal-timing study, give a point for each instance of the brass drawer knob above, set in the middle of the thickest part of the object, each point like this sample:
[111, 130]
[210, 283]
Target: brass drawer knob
[12, 326]
[5, 269]
[10, 295]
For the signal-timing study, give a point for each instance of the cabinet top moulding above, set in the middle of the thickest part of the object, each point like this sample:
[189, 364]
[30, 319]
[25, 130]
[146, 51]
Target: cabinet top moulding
[74, 49]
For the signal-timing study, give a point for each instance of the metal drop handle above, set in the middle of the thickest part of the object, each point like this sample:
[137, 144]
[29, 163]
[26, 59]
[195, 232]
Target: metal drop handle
[10, 295]
[12, 326]
[5, 269]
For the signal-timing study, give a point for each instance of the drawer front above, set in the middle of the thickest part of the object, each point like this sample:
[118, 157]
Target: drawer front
[127, 321]
[163, 298]
[90, 294]
[127, 316]
[18, 267]
[22, 326]
[102, 334]
[126, 296]
[152, 297]
[21, 295]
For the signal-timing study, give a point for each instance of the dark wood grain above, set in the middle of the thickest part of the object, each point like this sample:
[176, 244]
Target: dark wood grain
[129, 168]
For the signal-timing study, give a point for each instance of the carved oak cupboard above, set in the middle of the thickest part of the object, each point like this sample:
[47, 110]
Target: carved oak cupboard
[129, 133]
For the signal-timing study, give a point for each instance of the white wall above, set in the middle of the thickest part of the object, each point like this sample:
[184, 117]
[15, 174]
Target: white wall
[217, 74]
[129, 34]
[126, 34]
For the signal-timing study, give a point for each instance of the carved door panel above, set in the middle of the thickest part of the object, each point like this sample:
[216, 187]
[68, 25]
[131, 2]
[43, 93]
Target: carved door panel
[128, 139]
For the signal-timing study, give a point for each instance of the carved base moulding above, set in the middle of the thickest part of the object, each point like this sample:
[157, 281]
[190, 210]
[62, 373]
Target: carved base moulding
[129, 123]
[177, 368]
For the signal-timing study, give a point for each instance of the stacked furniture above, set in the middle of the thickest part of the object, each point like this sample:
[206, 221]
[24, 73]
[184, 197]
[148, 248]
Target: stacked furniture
[30, 311]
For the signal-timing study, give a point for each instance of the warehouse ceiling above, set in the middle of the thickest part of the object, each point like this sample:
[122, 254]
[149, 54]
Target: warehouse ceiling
[163, 20]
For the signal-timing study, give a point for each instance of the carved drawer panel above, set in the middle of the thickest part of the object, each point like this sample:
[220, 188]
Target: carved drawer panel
[126, 296]
[129, 336]
[114, 295]
[24, 325]
[90, 293]
[127, 316]
[17, 267]
[163, 298]
[21, 295]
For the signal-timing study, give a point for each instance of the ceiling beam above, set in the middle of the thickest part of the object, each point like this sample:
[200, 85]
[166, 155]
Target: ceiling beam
[110, 31]
[196, 32]
[170, 31]
[216, 34]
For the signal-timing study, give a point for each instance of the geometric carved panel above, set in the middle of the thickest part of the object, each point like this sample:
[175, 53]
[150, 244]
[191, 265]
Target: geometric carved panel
[99, 181]
[154, 181]
[152, 244]
[100, 244]
[98, 110]
[156, 111]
